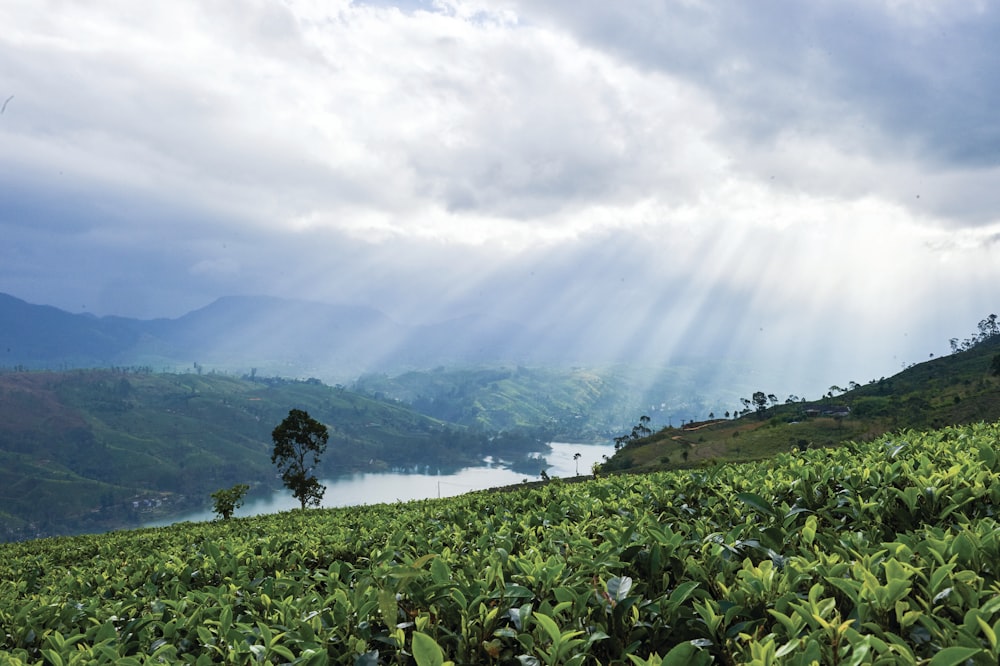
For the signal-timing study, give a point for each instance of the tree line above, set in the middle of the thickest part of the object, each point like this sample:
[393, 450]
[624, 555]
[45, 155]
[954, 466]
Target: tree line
[987, 328]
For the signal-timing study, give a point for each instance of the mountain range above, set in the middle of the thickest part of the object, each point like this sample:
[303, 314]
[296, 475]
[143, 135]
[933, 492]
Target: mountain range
[277, 336]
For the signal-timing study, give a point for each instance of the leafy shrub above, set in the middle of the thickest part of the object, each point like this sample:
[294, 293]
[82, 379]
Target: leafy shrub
[884, 552]
[227, 500]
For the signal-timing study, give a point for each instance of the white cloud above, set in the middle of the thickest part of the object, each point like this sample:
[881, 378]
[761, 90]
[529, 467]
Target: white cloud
[653, 163]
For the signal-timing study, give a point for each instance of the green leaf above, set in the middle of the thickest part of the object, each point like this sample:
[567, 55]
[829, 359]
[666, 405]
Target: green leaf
[367, 659]
[440, 573]
[953, 656]
[422, 560]
[988, 456]
[426, 651]
[755, 502]
[619, 587]
[53, 657]
[549, 625]
[387, 607]
[991, 635]
[963, 547]
[685, 654]
[682, 592]
[809, 530]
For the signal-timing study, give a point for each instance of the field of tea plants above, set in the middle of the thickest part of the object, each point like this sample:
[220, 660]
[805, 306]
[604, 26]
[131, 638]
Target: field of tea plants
[883, 552]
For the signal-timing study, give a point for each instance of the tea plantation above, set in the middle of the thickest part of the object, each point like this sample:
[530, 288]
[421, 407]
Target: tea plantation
[885, 552]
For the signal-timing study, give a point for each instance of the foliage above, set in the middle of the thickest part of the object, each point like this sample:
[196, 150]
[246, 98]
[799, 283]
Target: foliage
[299, 441]
[227, 500]
[988, 328]
[950, 390]
[93, 450]
[640, 431]
[578, 404]
[883, 552]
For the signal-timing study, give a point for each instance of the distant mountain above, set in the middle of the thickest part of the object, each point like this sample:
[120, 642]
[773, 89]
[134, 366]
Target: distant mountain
[284, 336]
[43, 335]
[275, 336]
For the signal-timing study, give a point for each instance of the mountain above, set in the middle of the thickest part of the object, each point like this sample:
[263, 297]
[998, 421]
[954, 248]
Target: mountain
[40, 335]
[284, 337]
[279, 334]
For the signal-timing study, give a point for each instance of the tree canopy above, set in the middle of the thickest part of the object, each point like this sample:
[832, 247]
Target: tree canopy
[299, 441]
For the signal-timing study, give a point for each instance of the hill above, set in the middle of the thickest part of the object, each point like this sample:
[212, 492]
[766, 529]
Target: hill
[275, 336]
[960, 388]
[338, 343]
[101, 449]
[882, 552]
[575, 403]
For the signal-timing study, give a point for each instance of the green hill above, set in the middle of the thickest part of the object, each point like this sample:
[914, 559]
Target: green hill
[961, 388]
[575, 403]
[103, 449]
[883, 552]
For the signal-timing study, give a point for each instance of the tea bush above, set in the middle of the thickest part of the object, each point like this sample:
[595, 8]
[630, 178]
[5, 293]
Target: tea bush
[877, 553]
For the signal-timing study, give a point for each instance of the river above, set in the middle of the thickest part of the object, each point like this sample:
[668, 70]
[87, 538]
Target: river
[377, 488]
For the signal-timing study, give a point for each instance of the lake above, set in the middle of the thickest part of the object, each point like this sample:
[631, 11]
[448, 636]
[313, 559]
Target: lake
[377, 488]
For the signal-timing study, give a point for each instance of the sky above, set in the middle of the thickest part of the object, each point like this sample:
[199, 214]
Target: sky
[815, 184]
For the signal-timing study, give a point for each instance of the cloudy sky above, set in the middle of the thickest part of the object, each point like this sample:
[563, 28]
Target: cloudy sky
[816, 182]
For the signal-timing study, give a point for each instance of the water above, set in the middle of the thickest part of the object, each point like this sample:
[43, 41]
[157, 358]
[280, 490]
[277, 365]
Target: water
[377, 488]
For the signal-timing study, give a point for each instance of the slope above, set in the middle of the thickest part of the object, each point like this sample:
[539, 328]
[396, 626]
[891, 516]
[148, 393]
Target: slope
[957, 389]
[99, 449]
[883, 552]
[574, 403]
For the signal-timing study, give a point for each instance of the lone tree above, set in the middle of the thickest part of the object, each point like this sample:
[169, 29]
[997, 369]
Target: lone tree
[759, 401]
[299, 441]
[228, 500]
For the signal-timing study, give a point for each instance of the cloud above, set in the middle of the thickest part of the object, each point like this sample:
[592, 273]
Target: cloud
[883, 83]
[662, 175]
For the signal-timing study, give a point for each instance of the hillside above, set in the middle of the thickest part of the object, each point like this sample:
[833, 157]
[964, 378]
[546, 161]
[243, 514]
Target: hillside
[275, 336]
[576, 403]
[101, 449]
[882, 552]
[956, 389]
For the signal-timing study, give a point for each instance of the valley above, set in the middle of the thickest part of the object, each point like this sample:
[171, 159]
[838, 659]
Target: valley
[860, 524]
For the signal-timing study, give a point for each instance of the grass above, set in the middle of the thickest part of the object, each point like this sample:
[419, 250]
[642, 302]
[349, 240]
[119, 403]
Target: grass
[952, 390]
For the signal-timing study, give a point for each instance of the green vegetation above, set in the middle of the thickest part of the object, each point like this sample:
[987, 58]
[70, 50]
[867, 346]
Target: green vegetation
[958, 389]
[299, 441]
[92, 450]
[881, 552]
[227, 500]
[575, 404]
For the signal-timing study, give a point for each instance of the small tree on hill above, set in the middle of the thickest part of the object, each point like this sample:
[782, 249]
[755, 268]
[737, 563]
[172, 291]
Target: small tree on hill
[759, 399]
[228, 500]
[299, 441]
